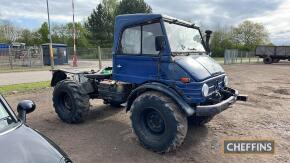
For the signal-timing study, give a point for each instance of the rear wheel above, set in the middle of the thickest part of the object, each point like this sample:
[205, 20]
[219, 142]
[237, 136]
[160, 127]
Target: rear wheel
[157, 121]
[70, 102]
[268, 60]
[199, 120]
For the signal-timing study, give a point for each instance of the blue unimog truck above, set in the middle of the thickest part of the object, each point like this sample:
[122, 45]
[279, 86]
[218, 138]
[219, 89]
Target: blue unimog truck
[161, 71]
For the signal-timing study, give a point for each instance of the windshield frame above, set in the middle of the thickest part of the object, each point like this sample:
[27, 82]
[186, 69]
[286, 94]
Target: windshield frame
[184, 24]
[8, 109]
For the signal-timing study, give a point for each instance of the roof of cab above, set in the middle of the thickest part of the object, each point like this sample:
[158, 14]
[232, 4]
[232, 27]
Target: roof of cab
[132, 19]
[126, 20]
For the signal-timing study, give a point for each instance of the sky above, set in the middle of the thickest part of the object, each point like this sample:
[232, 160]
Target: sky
[274, 14]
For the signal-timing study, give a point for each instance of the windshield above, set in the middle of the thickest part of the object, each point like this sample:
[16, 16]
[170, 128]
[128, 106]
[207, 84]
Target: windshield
[183, 39]
[5, 118]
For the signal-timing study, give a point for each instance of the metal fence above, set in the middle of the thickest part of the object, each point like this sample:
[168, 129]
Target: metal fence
[11, 58]
[235, 56]
[92, 53]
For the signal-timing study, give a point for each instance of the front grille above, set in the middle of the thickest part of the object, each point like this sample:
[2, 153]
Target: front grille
[215, 84]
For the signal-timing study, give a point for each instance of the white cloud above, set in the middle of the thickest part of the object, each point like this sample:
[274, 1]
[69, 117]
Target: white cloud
[60, 10]
[277, 23]
[273, 14]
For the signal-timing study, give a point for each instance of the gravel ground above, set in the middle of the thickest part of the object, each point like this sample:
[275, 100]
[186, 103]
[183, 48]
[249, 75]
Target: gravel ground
[107, 137]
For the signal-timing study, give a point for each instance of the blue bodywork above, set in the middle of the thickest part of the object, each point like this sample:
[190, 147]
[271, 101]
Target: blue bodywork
[165, 68]
[4, 46]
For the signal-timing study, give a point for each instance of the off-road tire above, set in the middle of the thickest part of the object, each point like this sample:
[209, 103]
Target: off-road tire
[78, 101]
[199, 120]
[268, 60]
[174, 120]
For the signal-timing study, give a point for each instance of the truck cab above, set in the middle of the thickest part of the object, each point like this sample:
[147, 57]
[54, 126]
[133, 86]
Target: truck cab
[161, 71]
[181, 61]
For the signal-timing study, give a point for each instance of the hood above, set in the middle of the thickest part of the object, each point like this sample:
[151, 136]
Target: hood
[200, 67]
[27, 146]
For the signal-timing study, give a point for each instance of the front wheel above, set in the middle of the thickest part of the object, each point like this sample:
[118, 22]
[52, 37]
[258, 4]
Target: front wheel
[158, 122]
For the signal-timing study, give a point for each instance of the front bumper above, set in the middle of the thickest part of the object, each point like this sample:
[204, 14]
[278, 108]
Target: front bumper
[211, 110]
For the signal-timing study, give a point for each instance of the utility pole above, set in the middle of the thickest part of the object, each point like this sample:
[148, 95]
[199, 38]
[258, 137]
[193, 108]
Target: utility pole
[50, 40]
[74, 37]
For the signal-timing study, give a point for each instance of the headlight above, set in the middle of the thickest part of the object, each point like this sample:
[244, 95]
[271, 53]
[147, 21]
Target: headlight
[226, 81]
[205, 90]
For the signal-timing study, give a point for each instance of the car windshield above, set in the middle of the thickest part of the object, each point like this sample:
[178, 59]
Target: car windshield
[5, 118]
[184, 39]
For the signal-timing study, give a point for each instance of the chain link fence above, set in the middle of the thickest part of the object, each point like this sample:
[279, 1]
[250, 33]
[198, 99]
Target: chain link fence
[235, 56]
[92, 53]
[11, 58]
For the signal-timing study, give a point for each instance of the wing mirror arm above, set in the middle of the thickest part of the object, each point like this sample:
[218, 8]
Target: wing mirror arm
[207, 39]
[25, 107]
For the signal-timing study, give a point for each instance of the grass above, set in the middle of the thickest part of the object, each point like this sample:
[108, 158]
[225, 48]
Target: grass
[20, 88]
[24, 69]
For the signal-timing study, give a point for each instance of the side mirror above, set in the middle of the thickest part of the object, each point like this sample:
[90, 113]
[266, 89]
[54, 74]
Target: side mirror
[207, 39]
[25, 107]
[159, 43]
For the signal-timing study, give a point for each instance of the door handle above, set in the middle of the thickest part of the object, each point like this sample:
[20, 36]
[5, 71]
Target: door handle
[119, 66]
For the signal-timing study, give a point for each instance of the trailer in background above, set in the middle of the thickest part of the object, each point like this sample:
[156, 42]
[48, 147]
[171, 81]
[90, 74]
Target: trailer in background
[273, 54]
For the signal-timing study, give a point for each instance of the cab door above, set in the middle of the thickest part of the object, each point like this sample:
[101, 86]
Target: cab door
[136, 60]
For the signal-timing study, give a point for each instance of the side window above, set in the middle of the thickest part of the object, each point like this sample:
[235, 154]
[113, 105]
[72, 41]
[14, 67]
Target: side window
[131, 41]
[149, 32]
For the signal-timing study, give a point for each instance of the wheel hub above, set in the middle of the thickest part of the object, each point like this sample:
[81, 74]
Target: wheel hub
[67, 102]
[154, 122]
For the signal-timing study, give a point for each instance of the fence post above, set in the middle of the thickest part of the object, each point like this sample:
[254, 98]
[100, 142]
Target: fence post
[248, 57]
[100, 57]
[10, 58]
[29, 56]
[241, 56]
[225, 56]
[237, 55]
[41, 55]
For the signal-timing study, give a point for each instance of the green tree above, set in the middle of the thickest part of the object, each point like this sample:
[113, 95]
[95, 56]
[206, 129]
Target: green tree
[99, 25]
[248, 35]
[43, 32]
[81, 35]
[221, 40]
[132, 7]
[26, 37]
[2, 36]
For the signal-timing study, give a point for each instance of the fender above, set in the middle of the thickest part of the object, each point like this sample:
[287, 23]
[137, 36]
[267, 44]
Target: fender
[57, 76]
[160, 88]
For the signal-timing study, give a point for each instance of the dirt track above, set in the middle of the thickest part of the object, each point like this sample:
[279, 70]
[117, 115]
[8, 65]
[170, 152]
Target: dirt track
[106, 136]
